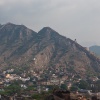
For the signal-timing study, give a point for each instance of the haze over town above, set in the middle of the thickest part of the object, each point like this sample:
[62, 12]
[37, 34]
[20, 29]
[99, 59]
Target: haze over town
[75, 19]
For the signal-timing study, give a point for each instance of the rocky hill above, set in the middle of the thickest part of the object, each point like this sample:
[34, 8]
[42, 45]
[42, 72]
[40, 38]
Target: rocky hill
[47, 49]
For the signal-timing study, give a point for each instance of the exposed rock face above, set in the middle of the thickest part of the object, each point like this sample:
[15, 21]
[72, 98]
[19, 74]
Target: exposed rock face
[20, 46]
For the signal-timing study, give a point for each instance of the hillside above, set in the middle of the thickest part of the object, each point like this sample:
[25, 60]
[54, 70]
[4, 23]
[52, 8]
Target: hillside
[44, 51]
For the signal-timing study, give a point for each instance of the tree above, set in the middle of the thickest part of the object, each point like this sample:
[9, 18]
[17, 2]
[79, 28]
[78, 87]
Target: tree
[83, 84]
[63, 86]
[12, 89]
[73, 88]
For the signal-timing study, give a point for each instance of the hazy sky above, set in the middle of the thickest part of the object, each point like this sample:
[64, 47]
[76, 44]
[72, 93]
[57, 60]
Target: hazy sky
[78, 19]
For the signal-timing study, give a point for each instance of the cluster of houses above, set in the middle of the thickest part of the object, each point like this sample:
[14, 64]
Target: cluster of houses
[42, 80]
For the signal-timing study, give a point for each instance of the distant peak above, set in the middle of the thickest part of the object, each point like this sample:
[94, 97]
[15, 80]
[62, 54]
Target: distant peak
[9, 23]
[47, 30]
[14, 24]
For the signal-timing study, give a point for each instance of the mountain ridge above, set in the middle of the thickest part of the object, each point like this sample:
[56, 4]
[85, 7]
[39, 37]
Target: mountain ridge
[45, 50]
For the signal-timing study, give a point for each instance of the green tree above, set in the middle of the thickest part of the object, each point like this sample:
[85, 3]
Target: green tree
[63, 86]
[12, 89]
[33, 87]
[73, 88]
[83, 84]
[38, 96]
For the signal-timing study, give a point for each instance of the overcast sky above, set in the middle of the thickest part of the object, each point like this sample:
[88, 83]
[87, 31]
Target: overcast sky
[75, 19]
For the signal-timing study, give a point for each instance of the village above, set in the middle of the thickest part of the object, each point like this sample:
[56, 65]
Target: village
[29, 83]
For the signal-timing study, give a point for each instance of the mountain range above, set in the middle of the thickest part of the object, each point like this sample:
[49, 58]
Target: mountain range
[43, 50]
